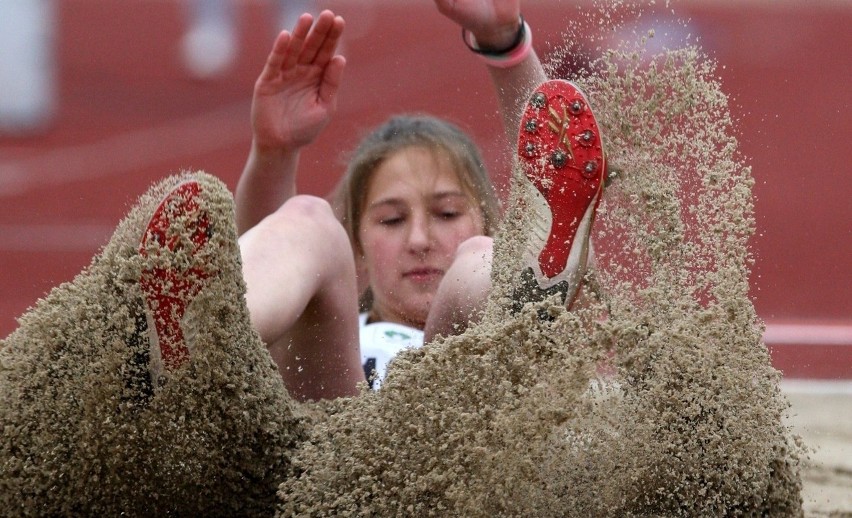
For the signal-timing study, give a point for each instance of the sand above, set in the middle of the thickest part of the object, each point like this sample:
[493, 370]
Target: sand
[653, 396]
[92, 427]
[820, 414]
[687, 417]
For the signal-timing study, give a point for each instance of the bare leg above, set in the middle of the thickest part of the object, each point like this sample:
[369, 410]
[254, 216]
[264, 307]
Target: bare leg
[463, 291]
[76, 396]
[302, 297]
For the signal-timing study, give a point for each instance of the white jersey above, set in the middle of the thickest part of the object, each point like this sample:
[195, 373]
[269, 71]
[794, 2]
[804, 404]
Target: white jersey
[380, 342]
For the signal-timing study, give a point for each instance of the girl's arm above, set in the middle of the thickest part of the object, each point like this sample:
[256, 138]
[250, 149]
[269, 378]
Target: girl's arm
[294, 98]
[494, 27]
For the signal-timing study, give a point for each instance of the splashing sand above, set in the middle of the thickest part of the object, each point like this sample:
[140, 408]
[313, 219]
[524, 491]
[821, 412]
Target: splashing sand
[653, 396]
[85, 432]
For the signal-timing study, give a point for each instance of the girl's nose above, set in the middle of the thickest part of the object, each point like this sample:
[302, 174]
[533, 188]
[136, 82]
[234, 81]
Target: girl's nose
[419, 236]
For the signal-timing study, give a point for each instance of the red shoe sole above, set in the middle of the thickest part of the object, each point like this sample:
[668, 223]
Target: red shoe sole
[168, 290]
[560, 148]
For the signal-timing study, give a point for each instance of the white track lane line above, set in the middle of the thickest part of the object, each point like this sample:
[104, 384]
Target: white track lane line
[808, 334]
[817, 387]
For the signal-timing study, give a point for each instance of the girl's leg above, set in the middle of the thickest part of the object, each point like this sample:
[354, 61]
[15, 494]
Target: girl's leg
[302, 297]
[463, 291]
[567, 151]
[145, 371]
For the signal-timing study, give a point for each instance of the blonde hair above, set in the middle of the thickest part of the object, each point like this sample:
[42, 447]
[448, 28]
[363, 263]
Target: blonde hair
[423, 131]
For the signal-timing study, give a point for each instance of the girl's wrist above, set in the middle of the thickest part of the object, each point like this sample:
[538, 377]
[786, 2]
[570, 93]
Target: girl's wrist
[505, 56]
[273, 151]
[498, 40]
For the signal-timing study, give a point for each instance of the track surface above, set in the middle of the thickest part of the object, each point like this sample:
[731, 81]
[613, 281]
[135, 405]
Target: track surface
[129, 116]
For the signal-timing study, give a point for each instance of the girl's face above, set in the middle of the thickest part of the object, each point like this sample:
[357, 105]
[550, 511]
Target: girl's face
[415, 216]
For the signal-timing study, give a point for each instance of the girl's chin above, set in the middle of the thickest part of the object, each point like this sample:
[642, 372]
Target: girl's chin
[417, 314]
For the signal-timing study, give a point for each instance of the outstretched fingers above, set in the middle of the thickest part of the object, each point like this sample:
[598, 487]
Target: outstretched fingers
[310, 43]
[331, 80]
[328, 49]
[321, 42]
[276, 57]
[286, 49]
[300, 34]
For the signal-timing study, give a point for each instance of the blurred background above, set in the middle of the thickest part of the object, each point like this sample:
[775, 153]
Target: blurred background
[100, 98]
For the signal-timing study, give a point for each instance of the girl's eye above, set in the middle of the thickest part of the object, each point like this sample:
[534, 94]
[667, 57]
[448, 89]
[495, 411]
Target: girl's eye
[392, 221]
[449, 211]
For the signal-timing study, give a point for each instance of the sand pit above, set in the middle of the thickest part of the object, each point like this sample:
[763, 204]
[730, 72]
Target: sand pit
[820, 414]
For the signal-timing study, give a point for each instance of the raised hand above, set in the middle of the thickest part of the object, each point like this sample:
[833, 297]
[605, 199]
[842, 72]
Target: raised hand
[494, 23]
[296, 94]
[495, 26]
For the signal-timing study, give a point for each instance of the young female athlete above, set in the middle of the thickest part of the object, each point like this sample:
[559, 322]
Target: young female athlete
[417, 202]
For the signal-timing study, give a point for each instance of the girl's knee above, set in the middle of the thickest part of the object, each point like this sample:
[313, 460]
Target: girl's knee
[307, 208]
[311, 217]
[305, 222]
[476, 246]
[472, 262]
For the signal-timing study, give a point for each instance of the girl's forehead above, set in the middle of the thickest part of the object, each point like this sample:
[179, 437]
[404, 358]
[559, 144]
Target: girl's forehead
[413, 171]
